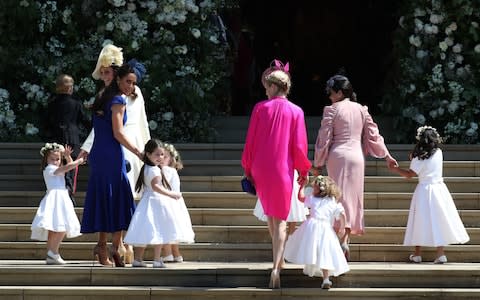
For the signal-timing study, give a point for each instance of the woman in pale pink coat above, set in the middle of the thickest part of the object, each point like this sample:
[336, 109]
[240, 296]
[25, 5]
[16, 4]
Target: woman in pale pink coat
[276, 145]
[347, 134]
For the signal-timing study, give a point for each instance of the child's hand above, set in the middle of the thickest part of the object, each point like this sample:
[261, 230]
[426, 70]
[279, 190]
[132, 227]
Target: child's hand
[176, 195]
[341, 232]
[68, 150]
[80, 160]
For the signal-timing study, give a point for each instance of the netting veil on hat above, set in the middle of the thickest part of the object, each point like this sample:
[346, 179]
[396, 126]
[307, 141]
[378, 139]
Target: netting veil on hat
[109, 56]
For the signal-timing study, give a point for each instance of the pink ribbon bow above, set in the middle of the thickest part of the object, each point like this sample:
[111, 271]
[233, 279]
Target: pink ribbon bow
[281, 66]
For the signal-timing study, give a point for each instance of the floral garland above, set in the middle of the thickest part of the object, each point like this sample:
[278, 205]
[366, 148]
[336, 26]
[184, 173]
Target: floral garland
[321, 182]
[421, 131]
[51, 147]
[173, 152]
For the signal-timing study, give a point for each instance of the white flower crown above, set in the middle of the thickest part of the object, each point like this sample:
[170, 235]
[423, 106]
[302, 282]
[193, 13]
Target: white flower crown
[51, 147]
[421, 130]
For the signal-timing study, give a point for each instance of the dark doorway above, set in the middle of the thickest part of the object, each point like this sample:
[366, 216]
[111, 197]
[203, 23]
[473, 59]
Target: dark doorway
[318, 38]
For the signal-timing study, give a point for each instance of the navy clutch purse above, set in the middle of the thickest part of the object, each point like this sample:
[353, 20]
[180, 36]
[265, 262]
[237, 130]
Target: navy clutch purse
[247, 186]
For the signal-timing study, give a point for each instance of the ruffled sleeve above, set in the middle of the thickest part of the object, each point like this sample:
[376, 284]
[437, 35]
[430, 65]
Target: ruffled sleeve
[373, 142]
[324, 137]
[50, 170]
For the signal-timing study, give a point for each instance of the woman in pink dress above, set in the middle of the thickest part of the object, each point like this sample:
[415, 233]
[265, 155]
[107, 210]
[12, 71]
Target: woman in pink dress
[347, 134]
[276, 145]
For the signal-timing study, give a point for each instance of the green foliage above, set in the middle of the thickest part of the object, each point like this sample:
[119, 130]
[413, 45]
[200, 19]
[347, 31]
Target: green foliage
[179, 42]
[437, 77]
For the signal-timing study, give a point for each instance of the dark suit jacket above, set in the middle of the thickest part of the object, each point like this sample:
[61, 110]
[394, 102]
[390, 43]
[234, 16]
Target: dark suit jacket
[65, 115]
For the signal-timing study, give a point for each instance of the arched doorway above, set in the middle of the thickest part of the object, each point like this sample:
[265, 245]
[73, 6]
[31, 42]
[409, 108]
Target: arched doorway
[318, 38]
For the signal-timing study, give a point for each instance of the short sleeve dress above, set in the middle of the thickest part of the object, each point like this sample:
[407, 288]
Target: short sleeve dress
[109, 203]
[433, 219]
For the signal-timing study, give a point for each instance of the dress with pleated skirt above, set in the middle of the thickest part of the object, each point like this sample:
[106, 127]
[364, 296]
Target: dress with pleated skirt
[315, 244]
[433, 219]
[56, 211]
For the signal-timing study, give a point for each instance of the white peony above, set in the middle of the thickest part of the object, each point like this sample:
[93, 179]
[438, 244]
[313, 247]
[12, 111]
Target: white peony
[168, 116]
[152, 125]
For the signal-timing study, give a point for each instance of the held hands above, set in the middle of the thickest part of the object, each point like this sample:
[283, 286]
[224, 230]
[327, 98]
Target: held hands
[83, 154]
[176, 195]
[391, 162]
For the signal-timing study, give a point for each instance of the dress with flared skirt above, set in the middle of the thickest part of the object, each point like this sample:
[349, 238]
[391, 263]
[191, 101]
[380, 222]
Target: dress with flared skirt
[314, 244]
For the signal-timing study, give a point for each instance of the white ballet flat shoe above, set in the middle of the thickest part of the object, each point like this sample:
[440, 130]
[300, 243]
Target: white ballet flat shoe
[415, 258]
[440, 260]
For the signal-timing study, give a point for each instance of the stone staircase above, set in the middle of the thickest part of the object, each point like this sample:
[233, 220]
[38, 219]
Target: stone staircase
[232, 255]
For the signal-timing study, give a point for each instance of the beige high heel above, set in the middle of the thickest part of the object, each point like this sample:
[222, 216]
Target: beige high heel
[274, 279]
[128, 256]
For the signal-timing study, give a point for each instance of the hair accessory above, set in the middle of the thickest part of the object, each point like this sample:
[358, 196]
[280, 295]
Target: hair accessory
[138, 68]
[109, 56]
[421, 130]
[280, 66]
[321, 182]
[51, 147]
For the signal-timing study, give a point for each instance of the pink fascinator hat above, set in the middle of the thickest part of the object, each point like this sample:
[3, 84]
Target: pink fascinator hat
[109, 56]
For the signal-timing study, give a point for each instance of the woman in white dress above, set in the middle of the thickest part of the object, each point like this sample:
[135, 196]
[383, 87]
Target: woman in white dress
[433, 220]
[297, 213]
[315, 244]
[153, 222]
[55, 217]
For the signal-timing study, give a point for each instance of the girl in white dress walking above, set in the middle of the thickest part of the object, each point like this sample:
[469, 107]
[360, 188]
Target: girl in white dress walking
[171, 164]
[315, 244]
[433, 220]
[153, 222]
[55, 215]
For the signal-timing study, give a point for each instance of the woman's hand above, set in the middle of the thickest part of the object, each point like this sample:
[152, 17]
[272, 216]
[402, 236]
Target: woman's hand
[391, 162]
[316, 171]
[83, 154]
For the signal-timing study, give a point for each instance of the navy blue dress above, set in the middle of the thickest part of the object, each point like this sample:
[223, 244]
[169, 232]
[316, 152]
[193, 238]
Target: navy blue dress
[109, 203]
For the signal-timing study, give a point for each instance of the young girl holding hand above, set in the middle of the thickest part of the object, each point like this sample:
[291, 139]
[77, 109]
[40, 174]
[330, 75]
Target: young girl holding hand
[315, 244]
[153, 222]
[433, 220]
[55, 215]
[171, 164]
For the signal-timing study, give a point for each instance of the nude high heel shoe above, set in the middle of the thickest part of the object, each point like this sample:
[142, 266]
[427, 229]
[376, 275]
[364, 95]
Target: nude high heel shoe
[274, 279]
[100, 253]
[128, 256]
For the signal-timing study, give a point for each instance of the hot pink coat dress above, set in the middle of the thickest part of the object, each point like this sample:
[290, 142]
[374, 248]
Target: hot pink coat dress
[347, 134]
[276, 145]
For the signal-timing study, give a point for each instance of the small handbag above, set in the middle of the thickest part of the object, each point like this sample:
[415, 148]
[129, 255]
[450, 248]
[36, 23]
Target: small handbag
[247, 186]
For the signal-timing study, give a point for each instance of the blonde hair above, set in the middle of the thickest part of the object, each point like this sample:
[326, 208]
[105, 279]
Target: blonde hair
[64, 84]
[176, 160]
[327, 187]
[277, 77]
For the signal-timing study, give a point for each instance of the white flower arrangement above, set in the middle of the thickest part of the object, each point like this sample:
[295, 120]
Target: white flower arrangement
[51, 147]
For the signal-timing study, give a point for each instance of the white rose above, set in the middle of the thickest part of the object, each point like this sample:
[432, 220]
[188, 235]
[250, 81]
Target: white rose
[195, 32]
[109, 26]
[459, 59]
[449, 41]
[443, 46]
[457, 48]
[477, 48]
[474, 125]
[168, 116]
[152, 125]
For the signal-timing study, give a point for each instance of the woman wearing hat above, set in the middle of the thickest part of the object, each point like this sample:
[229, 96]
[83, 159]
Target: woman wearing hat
[135, 128]
[347, 133]
[276, 146]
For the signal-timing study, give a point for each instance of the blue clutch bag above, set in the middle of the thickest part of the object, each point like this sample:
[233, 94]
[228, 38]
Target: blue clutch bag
[247, 186]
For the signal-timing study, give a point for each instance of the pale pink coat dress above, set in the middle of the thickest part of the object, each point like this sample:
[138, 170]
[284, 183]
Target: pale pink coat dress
[347, 134]
[275, 146]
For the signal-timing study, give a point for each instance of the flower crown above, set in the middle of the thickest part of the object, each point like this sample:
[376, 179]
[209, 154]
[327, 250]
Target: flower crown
[170, 148]
[421, 131]
[51, 147]
[321, 182]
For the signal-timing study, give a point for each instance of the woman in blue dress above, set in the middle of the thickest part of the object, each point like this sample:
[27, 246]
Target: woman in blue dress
[109, 203]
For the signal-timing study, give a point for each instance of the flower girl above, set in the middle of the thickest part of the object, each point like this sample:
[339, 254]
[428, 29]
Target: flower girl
[315, 244]
[171, 164]
[433, 220]
[153, 222]
[55, 215]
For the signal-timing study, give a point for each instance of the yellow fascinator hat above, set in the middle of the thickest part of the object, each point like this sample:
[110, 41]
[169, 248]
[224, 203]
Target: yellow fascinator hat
[109, 56]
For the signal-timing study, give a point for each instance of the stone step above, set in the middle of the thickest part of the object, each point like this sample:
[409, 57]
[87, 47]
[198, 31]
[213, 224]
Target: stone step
[243, 252]
[233, 151]
[233, 167]
[232, 183]
[361, 275]
[237, 293]
[238, 200]
[237, 234]
[245, 217]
